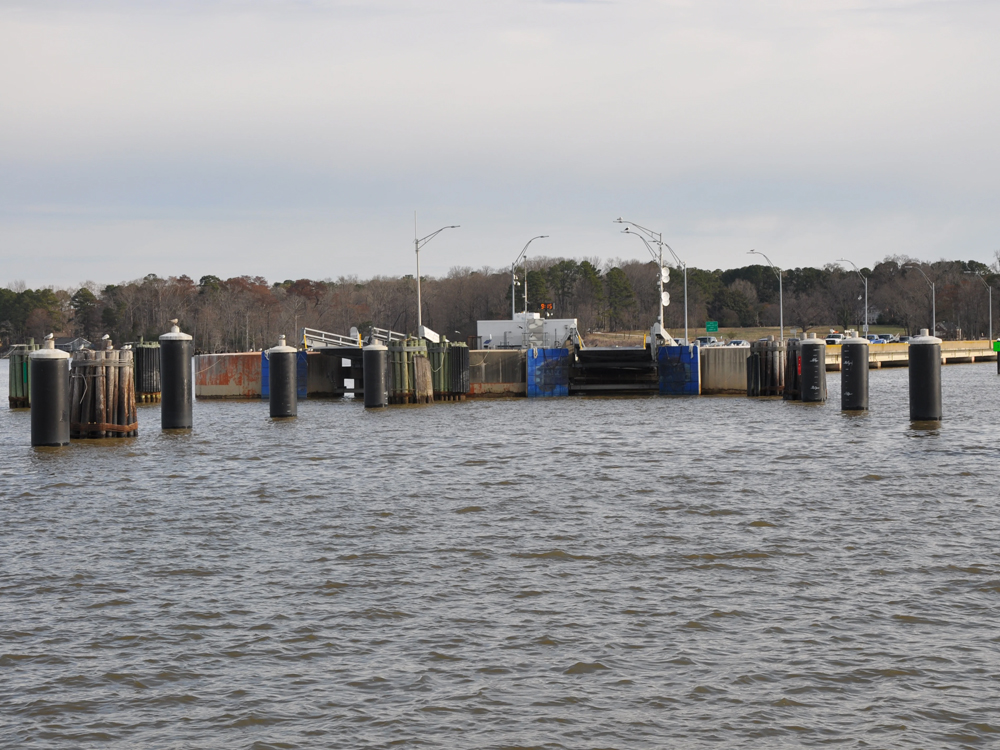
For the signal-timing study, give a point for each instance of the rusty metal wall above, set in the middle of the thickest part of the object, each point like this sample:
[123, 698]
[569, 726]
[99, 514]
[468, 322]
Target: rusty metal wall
[235, 375]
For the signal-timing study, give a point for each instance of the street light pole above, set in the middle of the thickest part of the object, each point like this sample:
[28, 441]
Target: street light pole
[657, 237]
[933, 297]
[865, 281]
[979, 275]
[513, 267]
[417, 244]
[781, 295]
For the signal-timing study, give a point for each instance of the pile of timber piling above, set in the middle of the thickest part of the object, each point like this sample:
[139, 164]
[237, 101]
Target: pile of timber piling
[410, 374]
[766, 368]
[147, 371]
[19, 385]
[102, 395]
[449, 370]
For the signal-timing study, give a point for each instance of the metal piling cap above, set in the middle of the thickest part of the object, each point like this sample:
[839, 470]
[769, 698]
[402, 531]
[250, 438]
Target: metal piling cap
[924, 338]
[48, 350]
[175, 333]
[281, 348]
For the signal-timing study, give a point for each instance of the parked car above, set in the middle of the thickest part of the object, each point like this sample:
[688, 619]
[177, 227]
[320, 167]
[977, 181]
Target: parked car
[889, 338]
[874, 339]
[738, 342]
[904, 339]
[707, 341]
[834, 339]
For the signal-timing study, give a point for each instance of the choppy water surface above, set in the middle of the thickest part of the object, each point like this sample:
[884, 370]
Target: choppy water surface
[574, 573]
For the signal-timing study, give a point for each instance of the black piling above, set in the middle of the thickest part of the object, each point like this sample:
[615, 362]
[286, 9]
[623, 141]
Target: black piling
[49, 395]
[812, 380]
[376, 376]
[793, 368]
[281, 380]
[925, 378]
[176, 391]
[854, 374]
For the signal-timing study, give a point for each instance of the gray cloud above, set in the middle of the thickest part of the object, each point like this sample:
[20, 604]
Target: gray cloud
[254, 137]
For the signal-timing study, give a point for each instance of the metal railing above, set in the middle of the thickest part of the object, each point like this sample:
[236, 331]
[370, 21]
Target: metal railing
[385, 335]
[314, 339]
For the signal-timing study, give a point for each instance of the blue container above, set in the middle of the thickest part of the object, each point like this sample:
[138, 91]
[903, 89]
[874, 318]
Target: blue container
[679, 371]
[301, 375]
[548, 373]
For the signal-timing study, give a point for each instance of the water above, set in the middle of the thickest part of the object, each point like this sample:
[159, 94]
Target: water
[575, 573]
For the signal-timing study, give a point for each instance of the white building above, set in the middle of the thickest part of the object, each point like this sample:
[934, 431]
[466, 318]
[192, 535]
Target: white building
[527, 330]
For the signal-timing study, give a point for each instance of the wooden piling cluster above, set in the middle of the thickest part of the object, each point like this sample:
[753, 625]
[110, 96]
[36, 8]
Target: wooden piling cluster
[403, 385]
[19, 385]
[766, 368]
[102, 394]
[421, 372]
[449, 362]
[793, 370]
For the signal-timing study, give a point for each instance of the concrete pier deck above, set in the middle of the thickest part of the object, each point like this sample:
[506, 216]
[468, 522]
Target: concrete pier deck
[897, 355]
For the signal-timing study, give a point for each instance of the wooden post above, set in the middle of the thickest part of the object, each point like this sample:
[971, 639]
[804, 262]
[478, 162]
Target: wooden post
[423, 381]
[131, 414]
[100, 393]
[112, 391]
[75, 393]
[87, 407]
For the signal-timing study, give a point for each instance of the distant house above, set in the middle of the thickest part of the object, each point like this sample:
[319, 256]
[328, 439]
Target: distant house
[72, 345]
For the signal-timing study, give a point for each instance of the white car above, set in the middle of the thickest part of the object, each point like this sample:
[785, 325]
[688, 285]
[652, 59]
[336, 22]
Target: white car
[738, 342]
[834, 339]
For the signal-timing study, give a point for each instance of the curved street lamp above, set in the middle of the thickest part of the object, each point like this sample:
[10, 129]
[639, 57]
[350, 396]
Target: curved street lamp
[657, 238]
[781, 295]
[417, 244]
[933, 299]
[864, 279]
[513, 270]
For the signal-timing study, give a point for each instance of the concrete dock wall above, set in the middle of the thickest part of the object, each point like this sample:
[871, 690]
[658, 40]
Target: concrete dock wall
[724, 369]
[497, 372]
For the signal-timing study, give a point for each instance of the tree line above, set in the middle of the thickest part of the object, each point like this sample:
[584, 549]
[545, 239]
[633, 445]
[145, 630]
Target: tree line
[248, 312]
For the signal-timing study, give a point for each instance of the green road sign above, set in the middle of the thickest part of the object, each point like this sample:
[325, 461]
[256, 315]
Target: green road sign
[712, 326]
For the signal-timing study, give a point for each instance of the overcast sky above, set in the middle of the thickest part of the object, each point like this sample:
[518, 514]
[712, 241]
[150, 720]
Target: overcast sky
[296, 139]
